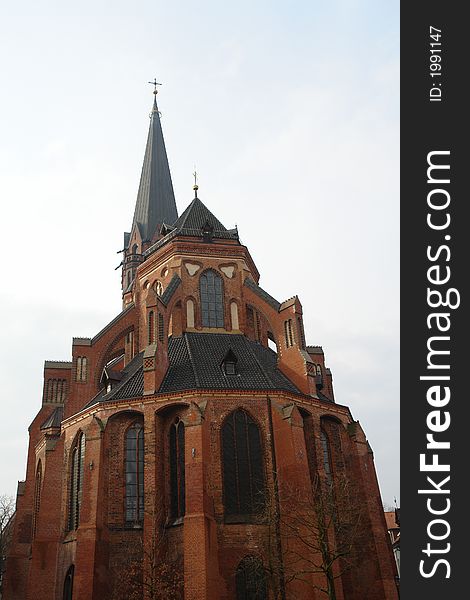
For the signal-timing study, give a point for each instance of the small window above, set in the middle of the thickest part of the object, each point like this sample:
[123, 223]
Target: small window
[288, 333]
[229, 364]
[158, 287]
[230, 368]
[82, 368]
[161, 327]
[151, 328]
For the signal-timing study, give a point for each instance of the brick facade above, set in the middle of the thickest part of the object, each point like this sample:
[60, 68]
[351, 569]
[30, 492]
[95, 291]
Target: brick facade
[113, 557]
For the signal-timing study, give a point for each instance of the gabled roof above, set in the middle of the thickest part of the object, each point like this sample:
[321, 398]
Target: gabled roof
[155, 203]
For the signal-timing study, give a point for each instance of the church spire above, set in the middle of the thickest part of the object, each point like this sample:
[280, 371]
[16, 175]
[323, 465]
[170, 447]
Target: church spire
[155, 203]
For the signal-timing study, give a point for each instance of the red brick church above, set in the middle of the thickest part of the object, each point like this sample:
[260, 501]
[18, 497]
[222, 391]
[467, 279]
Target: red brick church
[193, 448]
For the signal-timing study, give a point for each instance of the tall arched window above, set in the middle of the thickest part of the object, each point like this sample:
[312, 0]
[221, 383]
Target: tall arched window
[177, 470]
[135, 473]
[325, 444]
[250, 579]
[82, 366]
[243, 469]
[76, 482]
[68, 584]
[288, 333]
[212, 299]
[301, 332]
[151, 327]
[37, 496]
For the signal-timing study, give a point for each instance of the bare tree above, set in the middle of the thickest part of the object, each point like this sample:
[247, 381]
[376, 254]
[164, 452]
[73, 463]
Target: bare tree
[321, 532]
[7, 509]
[150, 571]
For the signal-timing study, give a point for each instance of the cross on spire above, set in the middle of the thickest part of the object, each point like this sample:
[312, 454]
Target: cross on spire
[195, 186]
[154, 83]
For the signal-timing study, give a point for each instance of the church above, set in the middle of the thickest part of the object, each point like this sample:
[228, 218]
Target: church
[194, 448]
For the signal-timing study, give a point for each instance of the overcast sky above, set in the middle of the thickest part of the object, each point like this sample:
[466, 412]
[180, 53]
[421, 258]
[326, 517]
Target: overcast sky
[289, 110]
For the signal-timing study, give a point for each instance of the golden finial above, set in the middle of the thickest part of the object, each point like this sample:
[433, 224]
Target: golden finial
[195, 186]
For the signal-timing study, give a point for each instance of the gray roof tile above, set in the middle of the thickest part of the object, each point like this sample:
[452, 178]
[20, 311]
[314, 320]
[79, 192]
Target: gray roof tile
[55, 419]
[155, 199]
[170, 289]
[261, 293]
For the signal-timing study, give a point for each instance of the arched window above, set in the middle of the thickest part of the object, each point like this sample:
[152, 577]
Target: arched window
[135, 473]
[56, 390]
[158, 287]
[82, 365]
[325, 444]
[288, 333]
[250, 579]
[151, 327]
[37, 496]
[135, 249]
[177, 470]
[243, 470]
[68, 584]
[76, 482]
[301, 332]
[161, 327]
[212, 300]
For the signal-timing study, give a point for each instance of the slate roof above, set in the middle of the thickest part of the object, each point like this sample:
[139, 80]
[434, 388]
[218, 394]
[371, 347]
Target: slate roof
[195, 217]
[262, 294]
[155, 203]
[195, 363]
[55, 419]
[170, 289]
[190, 223]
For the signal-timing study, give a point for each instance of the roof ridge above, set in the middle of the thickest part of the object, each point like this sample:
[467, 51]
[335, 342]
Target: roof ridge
[186, 213]
[265, 375]
[188, 347]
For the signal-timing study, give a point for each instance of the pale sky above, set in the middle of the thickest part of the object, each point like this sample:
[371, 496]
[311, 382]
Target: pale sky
[290, 112]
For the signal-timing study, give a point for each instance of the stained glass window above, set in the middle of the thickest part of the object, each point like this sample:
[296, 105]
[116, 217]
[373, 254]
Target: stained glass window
[243, 469]
[76, 483]
[212, 301]
[177, 470]
[135, 473]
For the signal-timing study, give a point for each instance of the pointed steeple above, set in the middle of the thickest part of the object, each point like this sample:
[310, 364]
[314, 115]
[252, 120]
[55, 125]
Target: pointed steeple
[155, 203]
